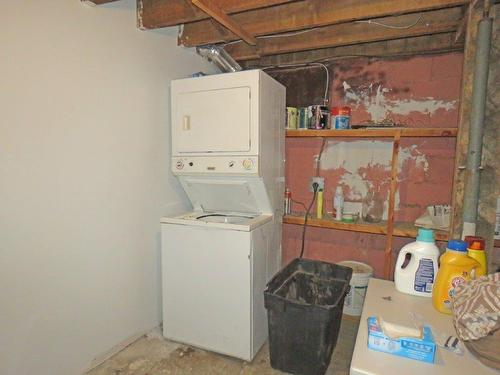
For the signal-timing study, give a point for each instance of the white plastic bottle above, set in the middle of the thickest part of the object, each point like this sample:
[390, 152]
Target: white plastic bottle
[417, 265]
[338, 203]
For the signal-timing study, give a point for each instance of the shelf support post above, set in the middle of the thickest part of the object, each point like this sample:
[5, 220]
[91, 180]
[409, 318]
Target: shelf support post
[390, 213]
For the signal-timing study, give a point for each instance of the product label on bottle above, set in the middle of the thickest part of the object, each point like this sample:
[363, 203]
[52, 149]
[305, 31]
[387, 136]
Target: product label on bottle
[424, 277]
[455, 280]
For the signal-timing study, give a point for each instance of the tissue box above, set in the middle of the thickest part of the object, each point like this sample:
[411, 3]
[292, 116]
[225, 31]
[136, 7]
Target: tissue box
[423, 349]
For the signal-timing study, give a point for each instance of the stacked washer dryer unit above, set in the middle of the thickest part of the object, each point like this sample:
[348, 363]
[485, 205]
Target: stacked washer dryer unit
[227, 152]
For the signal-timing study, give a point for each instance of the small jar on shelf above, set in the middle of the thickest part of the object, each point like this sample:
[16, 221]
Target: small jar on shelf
[373, 207]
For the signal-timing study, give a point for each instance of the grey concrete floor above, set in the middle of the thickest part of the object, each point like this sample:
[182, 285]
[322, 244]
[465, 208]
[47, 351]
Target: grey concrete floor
[153, 355]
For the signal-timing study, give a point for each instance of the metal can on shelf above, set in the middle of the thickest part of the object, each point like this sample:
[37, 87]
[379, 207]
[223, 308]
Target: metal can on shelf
[303, 117]
[320, 116]
[291, 117]
[341, 117]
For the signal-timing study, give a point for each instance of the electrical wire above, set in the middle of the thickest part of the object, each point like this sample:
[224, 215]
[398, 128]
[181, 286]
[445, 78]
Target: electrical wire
[327, 82]
[287, 34]
[315, 191]
[372, 22]
[275, 35]
[299, 203]
[318, 160]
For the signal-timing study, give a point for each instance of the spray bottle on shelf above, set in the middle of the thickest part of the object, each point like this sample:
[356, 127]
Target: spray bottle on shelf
[338, 203]
[288, 202]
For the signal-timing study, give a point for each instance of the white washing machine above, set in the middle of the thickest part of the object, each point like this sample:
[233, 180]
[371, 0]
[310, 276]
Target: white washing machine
[227, 152]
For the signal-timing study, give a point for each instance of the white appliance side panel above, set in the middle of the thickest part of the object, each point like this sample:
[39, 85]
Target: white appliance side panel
[260, 250]
[213, 120]
[206, 288]
[272, 119]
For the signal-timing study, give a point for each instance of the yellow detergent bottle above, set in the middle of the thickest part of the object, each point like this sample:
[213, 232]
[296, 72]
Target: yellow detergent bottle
[456, 267]
[475, 249]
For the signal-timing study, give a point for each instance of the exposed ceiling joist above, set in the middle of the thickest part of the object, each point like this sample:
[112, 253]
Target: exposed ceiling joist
[214, 11]
[463, 24]
[396, 47]
[409, 25]
[305, 14]
[99, 2]
[154, 14]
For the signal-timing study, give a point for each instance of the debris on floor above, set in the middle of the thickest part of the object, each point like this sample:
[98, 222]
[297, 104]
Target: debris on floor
[153, 355]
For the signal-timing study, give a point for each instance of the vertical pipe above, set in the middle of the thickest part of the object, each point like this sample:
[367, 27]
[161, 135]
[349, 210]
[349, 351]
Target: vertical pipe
[471, 196]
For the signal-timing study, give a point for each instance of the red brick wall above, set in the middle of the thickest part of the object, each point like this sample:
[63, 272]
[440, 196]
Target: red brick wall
[415, 92]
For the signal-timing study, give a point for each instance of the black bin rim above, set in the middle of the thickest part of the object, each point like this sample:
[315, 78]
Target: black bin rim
[341, 295]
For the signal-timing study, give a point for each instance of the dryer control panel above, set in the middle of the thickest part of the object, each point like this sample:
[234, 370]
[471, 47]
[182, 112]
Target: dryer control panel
[227, 165]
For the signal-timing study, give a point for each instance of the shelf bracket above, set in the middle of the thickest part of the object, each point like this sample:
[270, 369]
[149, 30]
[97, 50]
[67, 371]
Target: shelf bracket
[392, 198]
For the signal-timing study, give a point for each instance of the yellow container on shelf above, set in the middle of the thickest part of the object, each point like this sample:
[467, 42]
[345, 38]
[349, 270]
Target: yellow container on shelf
[475, 249]
[456, 267]
[480, 256]
[319, 205]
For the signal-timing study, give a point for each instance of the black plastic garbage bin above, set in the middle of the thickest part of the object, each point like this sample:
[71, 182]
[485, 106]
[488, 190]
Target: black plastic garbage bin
[304, 308]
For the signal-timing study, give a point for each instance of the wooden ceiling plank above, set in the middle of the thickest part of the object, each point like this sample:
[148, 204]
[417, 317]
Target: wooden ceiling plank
[162, 13]
[214, 11]
[460, 34]
[307, 14]
[99, 2]
[432, 22]
[396, 47]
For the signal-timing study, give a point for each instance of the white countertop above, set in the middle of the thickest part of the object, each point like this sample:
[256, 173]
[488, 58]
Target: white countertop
[396, 310]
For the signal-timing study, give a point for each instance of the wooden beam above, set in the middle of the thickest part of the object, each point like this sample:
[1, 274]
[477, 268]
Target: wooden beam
[307, 14]
[328, 221]
[390, 214]
[396, 47]
[374, 133]
[154, 14]
[459, 177]
[214, 11]
[432, 22]
[99, 2]
[463, 24]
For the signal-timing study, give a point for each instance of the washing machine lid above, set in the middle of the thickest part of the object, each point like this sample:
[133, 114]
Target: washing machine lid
[227, 194]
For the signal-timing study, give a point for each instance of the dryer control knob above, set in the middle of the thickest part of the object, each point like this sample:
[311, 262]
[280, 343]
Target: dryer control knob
[247, 164]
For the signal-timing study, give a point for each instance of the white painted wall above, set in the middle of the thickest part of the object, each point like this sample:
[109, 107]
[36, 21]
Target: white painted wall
[84, 146]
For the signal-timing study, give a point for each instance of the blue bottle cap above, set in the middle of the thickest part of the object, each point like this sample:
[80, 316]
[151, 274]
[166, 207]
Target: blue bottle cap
[425, 235]
[457, 245]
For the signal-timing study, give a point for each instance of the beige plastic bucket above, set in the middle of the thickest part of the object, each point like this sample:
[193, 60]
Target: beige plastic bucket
[361, 274]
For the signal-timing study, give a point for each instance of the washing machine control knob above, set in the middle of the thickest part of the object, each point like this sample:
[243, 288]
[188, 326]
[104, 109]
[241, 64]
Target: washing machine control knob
[247, 164]
[231, 164]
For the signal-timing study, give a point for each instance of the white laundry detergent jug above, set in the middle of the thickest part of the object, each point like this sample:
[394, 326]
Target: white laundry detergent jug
[417, 265]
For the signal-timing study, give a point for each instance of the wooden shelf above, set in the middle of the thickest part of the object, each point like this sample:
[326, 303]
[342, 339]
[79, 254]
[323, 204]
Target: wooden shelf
[374, 133]
[400, 229]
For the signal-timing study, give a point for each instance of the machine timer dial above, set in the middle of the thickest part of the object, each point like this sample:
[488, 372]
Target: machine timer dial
[247, 164]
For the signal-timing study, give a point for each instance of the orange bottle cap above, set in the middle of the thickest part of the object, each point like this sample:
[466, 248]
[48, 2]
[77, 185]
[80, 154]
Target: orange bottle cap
[476, 245]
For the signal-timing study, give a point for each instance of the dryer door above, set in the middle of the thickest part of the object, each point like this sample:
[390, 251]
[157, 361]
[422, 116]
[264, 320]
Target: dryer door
[212, 121]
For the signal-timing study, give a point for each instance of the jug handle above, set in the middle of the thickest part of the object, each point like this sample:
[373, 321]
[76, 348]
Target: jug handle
[401, 259]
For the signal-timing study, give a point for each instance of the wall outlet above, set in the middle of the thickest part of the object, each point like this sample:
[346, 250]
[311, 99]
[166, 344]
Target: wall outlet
[320, 181]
